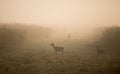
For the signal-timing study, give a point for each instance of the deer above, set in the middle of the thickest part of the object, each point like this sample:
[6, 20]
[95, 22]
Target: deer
[57, 49]
[100, 53]
[99, 50]
[69, 36]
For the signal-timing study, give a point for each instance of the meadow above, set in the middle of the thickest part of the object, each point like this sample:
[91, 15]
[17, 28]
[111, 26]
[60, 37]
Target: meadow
[38, 57]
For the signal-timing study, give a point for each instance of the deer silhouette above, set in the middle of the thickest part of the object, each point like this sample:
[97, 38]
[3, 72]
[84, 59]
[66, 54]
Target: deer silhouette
[99, 50]
[69, 36]
[57, 49]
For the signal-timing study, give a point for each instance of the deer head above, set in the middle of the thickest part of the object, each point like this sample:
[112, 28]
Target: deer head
[52, 44]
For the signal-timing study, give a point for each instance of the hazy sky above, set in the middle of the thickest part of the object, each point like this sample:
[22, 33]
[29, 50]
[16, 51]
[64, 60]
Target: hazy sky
[61, 13]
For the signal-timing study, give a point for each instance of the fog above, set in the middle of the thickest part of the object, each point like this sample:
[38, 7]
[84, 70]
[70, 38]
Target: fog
[64, 16]
[60, 36]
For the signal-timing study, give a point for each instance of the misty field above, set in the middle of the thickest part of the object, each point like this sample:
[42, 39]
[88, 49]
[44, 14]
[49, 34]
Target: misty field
[28, 56]
[40, 59]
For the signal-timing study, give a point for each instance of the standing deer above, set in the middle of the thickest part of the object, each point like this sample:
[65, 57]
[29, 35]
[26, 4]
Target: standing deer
[69, 36]
[57, 49]
[99, 51]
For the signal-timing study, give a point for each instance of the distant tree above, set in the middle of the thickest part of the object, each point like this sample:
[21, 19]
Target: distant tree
[111, 38]
[38, 33]
[11, 36]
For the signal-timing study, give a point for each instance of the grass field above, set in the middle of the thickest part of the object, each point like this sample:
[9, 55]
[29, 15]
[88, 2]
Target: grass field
[39, 58]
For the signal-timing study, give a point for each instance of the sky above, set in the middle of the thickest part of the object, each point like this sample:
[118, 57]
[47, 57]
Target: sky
[68, 14]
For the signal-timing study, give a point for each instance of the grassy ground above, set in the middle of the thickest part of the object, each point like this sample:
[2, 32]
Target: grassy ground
[39, 58]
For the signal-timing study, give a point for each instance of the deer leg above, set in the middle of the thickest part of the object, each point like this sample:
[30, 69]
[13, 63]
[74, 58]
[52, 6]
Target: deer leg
[62, 52]
[55, 52]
